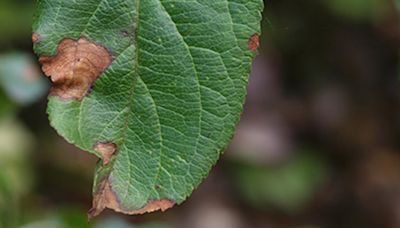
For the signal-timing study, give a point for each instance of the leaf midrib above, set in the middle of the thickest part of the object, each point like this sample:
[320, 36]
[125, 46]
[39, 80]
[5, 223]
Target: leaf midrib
[136, 77]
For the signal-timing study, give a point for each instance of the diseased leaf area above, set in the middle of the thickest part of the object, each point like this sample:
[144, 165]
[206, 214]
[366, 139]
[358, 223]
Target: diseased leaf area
[165, 107]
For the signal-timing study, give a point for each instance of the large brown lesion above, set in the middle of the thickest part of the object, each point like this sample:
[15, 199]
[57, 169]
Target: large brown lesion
[76, 66]
[105, 197]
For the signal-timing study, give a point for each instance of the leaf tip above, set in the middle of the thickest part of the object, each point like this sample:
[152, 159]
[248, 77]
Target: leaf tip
[106, 198]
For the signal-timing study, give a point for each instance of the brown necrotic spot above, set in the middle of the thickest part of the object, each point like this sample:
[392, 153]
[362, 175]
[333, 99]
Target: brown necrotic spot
[125, 33]
[76, 66]
[106, 150]
[35, 37]
[254, 42]
[105, 197]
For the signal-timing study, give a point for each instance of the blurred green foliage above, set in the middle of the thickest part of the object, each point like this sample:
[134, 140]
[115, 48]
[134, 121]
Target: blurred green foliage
[288, 186]
[359, 10]
[15, 21]
[6, 106]
[15, 175]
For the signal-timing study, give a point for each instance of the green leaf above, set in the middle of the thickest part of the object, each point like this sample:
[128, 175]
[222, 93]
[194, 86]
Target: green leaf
[153, 87]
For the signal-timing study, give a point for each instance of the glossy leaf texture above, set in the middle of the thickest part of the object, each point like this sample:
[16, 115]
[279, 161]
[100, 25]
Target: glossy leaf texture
[167, 86]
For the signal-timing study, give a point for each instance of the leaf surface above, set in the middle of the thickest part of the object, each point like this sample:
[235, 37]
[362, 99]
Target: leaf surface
[154, 88]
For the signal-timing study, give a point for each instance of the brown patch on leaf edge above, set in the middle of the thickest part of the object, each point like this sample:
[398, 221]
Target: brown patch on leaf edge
[35, 37]
[254, 42]
[76, 66]
[106, 150]
[106, 198]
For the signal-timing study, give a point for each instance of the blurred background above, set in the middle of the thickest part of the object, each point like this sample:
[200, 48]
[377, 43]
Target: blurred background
[318, 144]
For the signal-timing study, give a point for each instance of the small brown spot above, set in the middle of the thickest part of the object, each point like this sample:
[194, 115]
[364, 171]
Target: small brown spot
[107, 150]
[35, 38]
[125, 33]
[76, 66]
[254, 42]
[106, 198]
